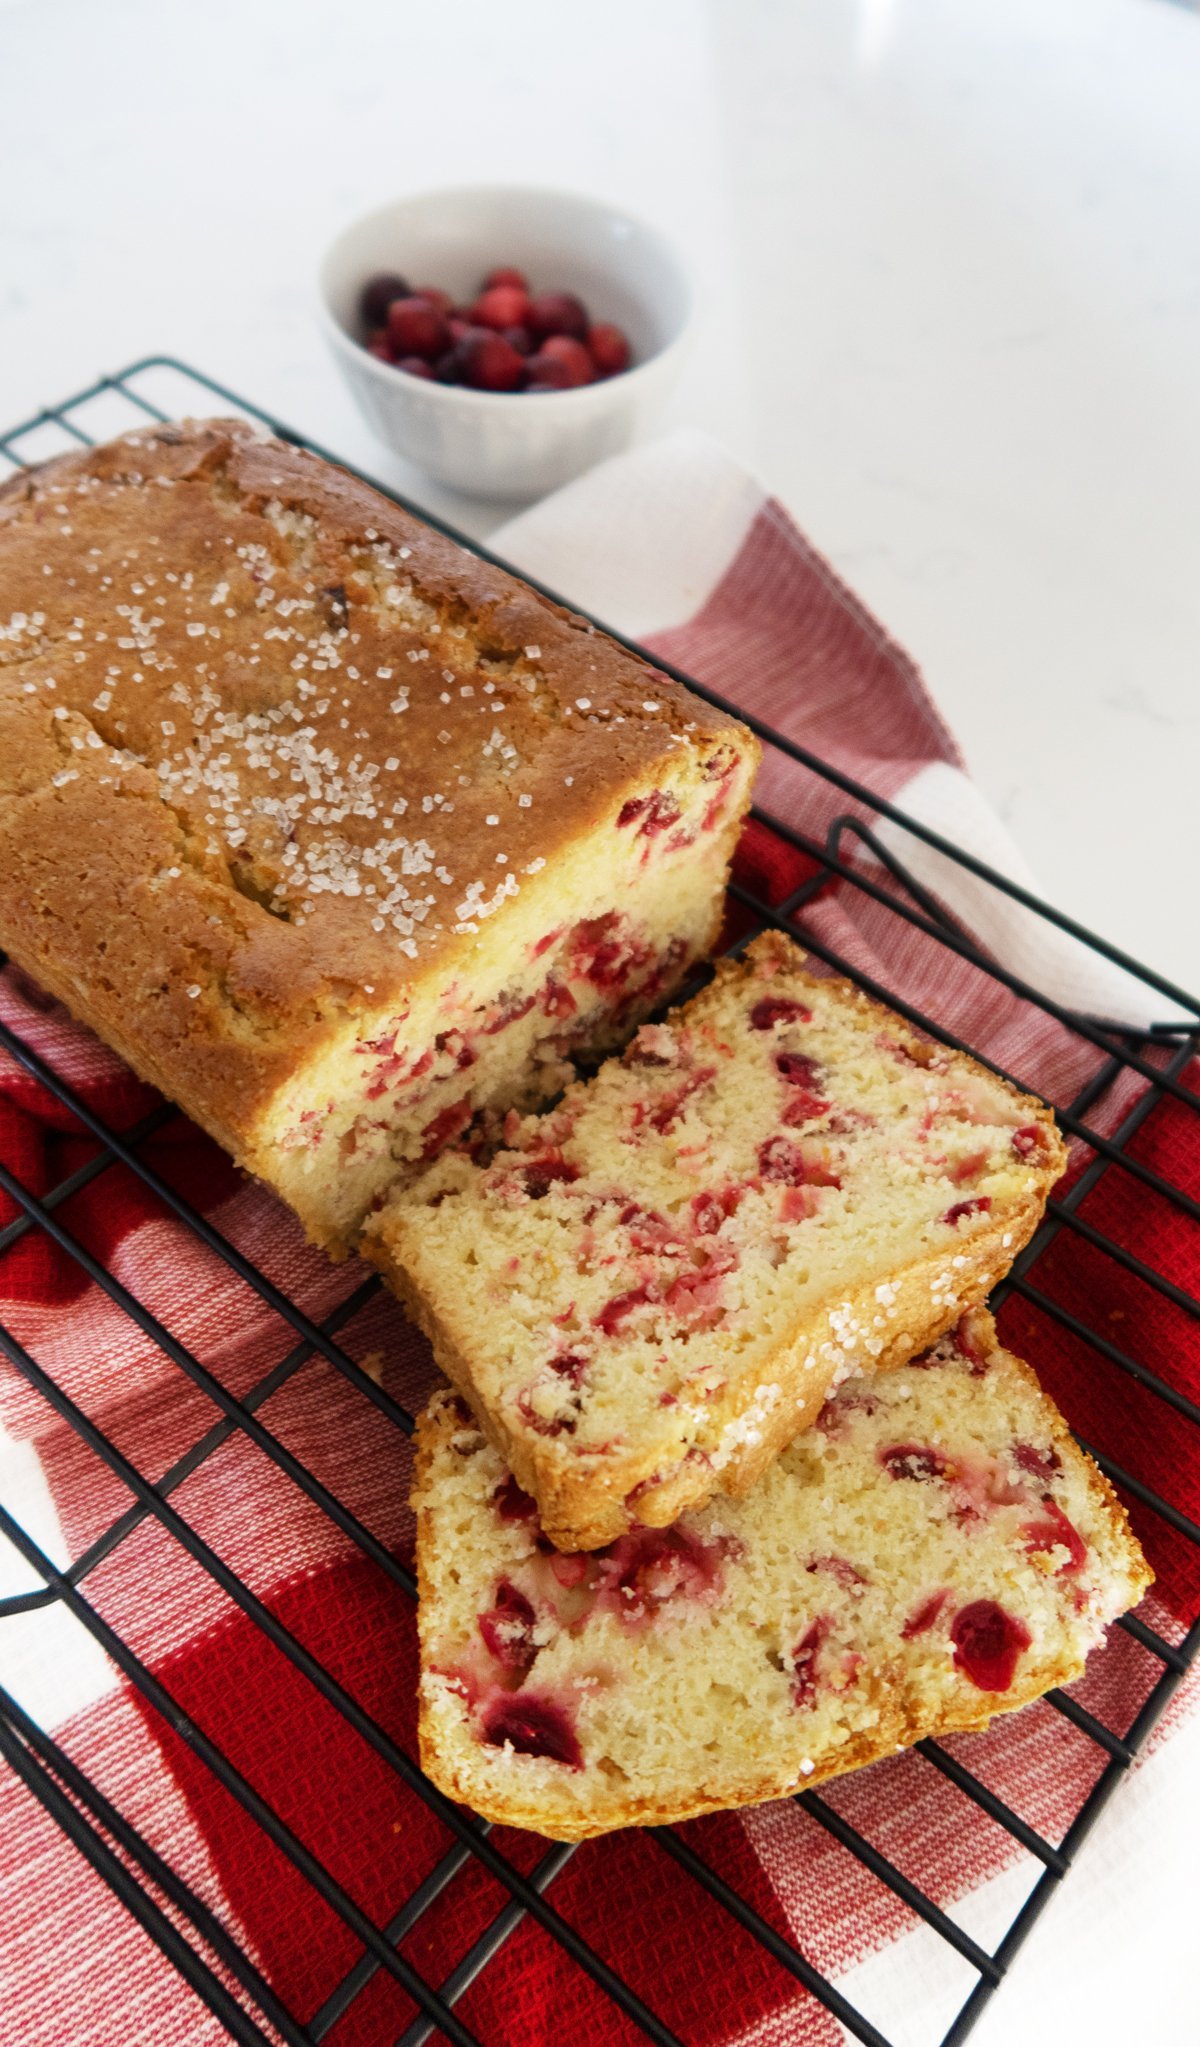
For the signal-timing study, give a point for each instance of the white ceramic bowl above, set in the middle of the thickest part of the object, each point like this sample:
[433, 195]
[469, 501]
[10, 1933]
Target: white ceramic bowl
[503, 444]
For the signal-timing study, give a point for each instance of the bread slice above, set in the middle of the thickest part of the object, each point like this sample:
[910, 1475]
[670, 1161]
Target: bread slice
[657, 1284]
[340, 836]
[933, 1551]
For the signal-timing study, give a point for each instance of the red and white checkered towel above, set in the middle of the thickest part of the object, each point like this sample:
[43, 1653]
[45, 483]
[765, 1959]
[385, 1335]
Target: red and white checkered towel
[675, 545]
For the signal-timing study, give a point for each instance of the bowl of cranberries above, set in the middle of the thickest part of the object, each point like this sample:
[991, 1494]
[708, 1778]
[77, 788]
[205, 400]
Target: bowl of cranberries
[505, 338]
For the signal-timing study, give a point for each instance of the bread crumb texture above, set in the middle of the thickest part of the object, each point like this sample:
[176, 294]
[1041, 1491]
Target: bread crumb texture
[342, 837]
[656, 1284]
[933, 1551]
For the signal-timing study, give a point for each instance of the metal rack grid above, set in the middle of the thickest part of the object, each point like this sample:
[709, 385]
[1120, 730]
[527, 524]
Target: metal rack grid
[165, 1904]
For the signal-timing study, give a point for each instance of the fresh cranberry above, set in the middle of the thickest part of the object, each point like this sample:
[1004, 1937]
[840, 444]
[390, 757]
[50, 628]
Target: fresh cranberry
[519, 338]
[557, 312]
[507, 1628]
[1029, 1140]
[416, 328]
[925, 1616]
[562, 348]
[511, 1503]
[415, 366]
[533, 1726]
[379, 345]
[777, 1009]
[459, 328]
[608, 349]
[541, 1174]
[1056, 1532]
[987, 1642]
[515, 279]
[979, 1206]
[545, 374]
[377, 296]
[915, 1460]
[490, 363]
[619, 1309]
[434, 296]
[804, 1662]
[501, 306]
[1042, 1463]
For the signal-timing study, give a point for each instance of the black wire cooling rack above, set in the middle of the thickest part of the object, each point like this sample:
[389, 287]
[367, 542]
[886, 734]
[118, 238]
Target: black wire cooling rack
[165, 1903]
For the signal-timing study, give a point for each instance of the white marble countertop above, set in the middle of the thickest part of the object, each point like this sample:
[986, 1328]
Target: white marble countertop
[949, 254]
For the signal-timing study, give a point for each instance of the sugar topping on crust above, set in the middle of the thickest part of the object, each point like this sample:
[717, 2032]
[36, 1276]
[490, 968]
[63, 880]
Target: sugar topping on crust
[375, 736]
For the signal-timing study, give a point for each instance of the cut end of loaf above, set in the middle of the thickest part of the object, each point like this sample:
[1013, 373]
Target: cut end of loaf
[934, 1551]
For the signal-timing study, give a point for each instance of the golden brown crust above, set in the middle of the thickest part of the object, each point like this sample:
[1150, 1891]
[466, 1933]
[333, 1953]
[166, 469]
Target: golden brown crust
[896, 1730]
[580, 1511]
[200, 663]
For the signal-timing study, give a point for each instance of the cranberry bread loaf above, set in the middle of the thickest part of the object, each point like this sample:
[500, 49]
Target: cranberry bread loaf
[339, 835]
[933, 1551]
[648, 1294]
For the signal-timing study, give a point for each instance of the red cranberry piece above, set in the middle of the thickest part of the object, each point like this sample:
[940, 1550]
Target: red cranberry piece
[501, 306]
[490, 363]
[979, 1206]
[915, 1460]
[557, 1000]
[1029, 1140]
[1054, 1531]
[617, 1310]
[1042, 1463]
[511, 1503]
[434, 296]
[925, 1616]
[662, 810]
[545, 374]
[448, 1124]
[570, 1570]
[557, 312]
[987, 1642]
[519, 338]
[541, 1174]
[416, 328]
[780, 1160]
[632, 810]
[969, 1168]
[377, 296]
[533, 1726]
[967, 1347]
[562, 348]
[796, 1069]
[840, 1569]
[508, 1628]
[415, 366]
[710, 1210]
[804, 1662]
[777, 1009]
[510, 1009]
[803, 1108]
[608, 349]
[506, 275]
